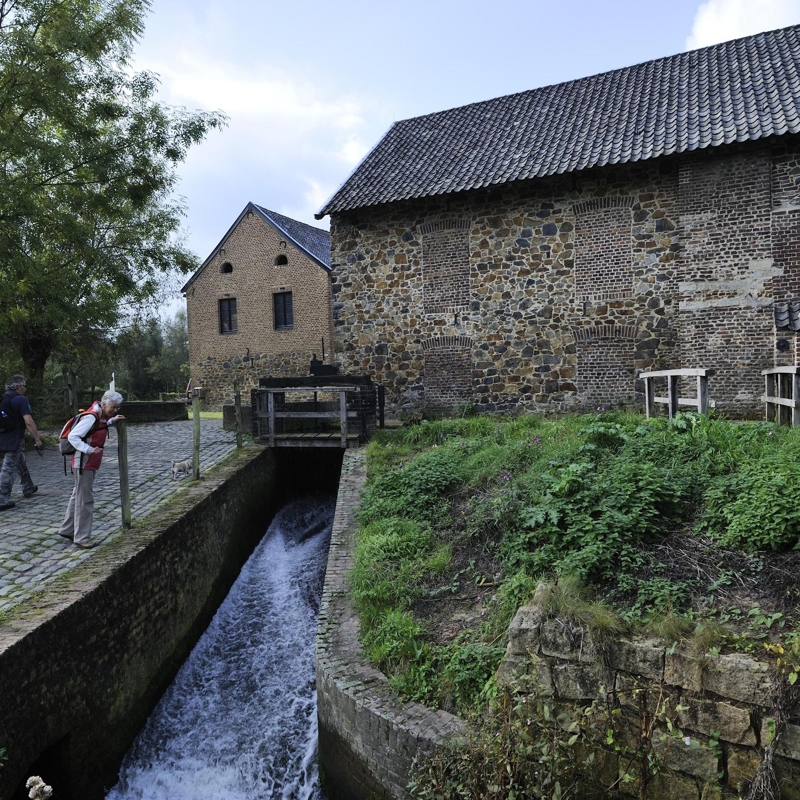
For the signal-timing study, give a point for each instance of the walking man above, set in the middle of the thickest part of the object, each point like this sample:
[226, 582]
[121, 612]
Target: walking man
[16, 419]
[88, 437]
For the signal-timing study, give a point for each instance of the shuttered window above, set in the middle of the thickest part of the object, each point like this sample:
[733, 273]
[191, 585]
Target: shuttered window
[284, 315]
[228, 320]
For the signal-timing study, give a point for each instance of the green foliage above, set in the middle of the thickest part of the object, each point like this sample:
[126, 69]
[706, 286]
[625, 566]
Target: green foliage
[577, 499]
[590, 517]
[466, 670]
[756, 508]
[88, 224]
[416, 490]
[390, 561]
[522, 748]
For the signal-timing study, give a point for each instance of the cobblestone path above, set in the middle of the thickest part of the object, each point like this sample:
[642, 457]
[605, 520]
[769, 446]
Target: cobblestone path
[32, 552]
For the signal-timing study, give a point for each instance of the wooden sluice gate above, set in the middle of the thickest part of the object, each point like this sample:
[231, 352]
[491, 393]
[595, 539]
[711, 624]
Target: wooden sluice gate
[316, 411]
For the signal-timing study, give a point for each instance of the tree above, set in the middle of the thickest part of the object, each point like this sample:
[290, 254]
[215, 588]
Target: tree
[170, 367]
[88, 157]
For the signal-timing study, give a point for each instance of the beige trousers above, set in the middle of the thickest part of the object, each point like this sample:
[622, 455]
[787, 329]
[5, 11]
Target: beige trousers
[77, 522]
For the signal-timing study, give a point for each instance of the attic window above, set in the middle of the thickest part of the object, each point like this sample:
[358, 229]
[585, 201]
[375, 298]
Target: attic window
[226, 267]
[281, 261]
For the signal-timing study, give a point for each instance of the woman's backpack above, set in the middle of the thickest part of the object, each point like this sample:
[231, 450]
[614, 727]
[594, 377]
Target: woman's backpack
[64, 445]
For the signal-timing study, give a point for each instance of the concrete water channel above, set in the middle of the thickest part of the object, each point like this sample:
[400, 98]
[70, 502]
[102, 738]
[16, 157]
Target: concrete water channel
[92, 639]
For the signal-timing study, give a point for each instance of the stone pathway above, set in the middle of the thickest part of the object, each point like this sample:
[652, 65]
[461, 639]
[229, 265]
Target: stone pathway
[32, 552]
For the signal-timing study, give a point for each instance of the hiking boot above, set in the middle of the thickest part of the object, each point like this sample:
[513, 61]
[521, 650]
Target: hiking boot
[87, 545]
[30, 492]
[65, 535]
[7, 506]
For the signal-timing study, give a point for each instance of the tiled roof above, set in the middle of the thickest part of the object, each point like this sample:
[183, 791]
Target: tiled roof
[315, 241]
[737, 91]
[787, 316]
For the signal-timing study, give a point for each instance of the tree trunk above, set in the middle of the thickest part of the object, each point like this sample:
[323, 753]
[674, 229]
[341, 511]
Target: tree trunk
[35, 344]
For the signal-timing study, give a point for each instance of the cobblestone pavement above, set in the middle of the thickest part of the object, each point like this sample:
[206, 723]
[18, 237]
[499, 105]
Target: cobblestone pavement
[32, 552]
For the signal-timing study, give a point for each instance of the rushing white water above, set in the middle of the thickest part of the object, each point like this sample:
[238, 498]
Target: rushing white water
[239, 722]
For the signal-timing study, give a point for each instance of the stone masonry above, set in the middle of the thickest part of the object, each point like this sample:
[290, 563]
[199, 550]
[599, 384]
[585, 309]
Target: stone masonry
[553, 293]
[254, 264]
[720, 704]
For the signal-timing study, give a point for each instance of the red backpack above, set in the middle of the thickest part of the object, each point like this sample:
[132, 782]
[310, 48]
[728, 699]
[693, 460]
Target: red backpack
[64, 445]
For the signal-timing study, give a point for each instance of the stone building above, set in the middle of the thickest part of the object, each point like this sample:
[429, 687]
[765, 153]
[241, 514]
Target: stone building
[539, 250]
[260, 304]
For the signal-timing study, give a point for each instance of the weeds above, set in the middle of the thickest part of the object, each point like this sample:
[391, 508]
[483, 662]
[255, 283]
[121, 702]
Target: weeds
[585, 499]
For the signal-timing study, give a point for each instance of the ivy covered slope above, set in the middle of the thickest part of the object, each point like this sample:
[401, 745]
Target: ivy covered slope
[678, 526]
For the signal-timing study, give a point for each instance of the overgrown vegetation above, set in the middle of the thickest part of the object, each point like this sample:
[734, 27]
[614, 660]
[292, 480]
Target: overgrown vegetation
[671, 522]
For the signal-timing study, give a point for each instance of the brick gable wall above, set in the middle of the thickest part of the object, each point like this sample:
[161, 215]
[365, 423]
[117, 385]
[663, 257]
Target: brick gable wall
[217, 360]
[576, 283]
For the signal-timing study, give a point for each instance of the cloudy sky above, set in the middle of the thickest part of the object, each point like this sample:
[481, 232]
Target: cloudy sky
[311, 86]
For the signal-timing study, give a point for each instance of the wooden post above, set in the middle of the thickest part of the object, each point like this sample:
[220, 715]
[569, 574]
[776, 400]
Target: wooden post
[702, 394]
[769, 390]
[795, 398]
[343, 416]
[124, 485]
[649, 404]
[271, 409]
[672, 394]
[237, 403]
[196, 449]
[73, 394]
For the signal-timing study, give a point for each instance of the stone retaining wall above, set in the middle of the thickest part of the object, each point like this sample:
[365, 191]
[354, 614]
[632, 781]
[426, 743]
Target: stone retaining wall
[83, 665]
[368, 738]
[724, 699]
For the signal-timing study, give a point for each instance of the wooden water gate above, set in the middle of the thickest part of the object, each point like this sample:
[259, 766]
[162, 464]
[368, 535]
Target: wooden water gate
[315, 411]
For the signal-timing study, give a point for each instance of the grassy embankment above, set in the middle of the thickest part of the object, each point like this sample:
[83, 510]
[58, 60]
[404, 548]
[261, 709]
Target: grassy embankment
[643, 524]
[687, 529]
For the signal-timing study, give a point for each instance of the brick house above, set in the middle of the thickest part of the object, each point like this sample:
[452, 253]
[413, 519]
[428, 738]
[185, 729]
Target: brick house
[539, 250]
[259, 305]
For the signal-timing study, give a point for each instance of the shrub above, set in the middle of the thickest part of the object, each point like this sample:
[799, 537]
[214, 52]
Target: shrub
[755, 508]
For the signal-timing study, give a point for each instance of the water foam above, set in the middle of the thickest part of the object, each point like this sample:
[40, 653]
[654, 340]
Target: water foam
[239, 721]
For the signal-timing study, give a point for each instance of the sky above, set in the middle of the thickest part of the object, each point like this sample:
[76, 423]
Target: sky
[310, 87]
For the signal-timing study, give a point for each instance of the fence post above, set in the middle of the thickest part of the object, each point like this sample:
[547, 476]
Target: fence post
[237, 403]
[124, 484]
[74, 401]
[196, 394]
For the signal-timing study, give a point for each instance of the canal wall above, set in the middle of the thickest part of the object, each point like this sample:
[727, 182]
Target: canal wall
[83, 664]
[368, 737]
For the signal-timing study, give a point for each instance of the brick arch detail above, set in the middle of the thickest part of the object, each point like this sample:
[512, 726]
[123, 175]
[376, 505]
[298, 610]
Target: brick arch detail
[440, 342]
[448, 372]
[607, 331]
[605, 364]
[444, 225]
[599, 203]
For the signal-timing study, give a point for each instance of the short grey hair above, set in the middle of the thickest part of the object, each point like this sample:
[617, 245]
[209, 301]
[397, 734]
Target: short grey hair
[15, 381]
[111, 397]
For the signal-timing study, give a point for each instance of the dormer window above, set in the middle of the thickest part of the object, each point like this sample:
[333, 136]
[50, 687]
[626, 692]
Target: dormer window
[226, 268]
[281, 261]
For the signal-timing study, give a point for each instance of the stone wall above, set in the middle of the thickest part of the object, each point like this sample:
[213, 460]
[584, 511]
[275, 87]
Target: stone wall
[143, 411]
[84, 664]
[246, 269]
[560, 290]
[368, 738]
[726, 698]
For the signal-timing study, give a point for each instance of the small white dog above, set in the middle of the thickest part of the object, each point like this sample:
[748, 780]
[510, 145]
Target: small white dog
[180, 469]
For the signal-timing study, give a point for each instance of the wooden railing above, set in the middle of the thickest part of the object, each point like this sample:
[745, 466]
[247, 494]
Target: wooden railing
[316, 439]
[701, 402]
[782, 394]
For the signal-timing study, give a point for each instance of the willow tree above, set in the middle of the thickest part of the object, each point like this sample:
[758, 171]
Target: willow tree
[88, 158]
